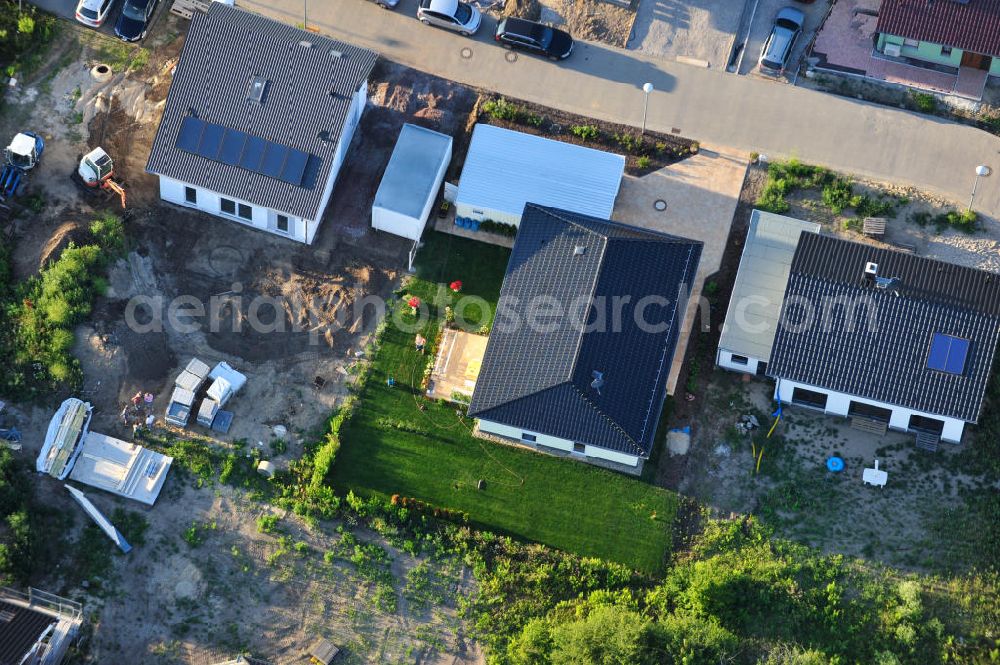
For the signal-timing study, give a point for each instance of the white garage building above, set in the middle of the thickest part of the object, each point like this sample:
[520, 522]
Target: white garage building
[257, 133]
[759, 291]
[505, 169]
[411, 182]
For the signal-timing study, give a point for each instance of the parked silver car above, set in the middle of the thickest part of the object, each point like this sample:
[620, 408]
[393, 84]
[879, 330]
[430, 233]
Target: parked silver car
[778, 47]
[451, 14]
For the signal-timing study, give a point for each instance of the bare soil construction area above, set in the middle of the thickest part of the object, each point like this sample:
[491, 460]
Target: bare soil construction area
[204, 583]
[608, 21]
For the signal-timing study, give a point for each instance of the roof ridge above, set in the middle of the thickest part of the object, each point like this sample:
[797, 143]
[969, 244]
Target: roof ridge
[611, 421]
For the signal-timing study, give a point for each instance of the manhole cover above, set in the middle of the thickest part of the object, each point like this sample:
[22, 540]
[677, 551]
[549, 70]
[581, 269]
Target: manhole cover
[660, 205]
[510, 56]
[466, 52]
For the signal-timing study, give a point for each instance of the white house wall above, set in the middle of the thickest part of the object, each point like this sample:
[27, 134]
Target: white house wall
[724, 359]
[482, 214]
[546, 441]
[839, 403]
[265, 219]
[396, 223]
[346, 135]
[210, 202]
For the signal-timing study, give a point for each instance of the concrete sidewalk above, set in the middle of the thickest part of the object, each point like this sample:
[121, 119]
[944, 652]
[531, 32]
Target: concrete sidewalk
[747, 114]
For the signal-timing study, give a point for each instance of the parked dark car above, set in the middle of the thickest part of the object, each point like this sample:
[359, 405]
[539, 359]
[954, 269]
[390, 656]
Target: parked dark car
[134, 20]
[534, 37]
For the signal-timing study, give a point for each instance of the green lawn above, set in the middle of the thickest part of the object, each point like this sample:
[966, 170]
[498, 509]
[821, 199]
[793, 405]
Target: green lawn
[392, 447]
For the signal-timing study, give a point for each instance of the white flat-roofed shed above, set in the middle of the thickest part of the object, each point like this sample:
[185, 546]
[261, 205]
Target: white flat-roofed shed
[411, 182]
[121, 468]
[505, 169]
[759, 291]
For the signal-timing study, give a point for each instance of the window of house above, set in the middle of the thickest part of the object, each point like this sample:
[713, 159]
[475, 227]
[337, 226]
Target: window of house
[740, 360]
[946, 51]
[579, 448]
[191, 195]
[912, 43]
[925, 424]
[228, 206]
[246, 212]
[528, 437]
[869, 411]
[282, 223]
[805, 397]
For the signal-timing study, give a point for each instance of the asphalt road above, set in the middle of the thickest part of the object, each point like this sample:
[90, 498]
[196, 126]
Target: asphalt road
[709, 106]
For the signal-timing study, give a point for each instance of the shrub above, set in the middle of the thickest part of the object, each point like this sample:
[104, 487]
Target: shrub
[501, 109]
[109, 232]
[925, 102]
[585, 132]
[629, 143]
[837, 195]
[501, 228]
[267, 523]
[772, 197]
[643, 162]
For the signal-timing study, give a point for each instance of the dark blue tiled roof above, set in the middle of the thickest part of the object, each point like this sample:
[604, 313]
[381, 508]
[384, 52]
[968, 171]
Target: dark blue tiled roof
[540, 380]
[881, 352]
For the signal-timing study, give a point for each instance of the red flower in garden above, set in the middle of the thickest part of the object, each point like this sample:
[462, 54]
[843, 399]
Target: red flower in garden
[413, 302]
[456, 286]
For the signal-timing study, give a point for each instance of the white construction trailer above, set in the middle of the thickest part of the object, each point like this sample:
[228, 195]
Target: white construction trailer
[98, 460]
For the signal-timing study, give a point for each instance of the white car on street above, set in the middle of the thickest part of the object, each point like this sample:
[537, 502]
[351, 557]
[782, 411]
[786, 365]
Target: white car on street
[451, 14]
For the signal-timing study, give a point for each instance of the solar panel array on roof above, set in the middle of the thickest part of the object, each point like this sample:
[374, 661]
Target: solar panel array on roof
[948, 353]
[236, 148]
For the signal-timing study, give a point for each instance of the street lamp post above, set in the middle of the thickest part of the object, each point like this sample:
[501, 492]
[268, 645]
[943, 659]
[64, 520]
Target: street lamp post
[646, 89]
[981, 171]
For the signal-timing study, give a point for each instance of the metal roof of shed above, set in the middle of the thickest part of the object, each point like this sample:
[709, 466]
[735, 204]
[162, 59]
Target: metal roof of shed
[410, 176]
[504, 170]
[755, 305]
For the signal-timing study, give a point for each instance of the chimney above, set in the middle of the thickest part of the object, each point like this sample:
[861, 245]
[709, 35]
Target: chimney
[871, 272]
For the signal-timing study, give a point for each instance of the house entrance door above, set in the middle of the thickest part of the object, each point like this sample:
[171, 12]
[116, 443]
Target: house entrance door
[976, 61]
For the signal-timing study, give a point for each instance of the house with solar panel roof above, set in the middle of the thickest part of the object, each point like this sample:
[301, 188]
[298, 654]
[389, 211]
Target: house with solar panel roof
[257, 134]
[886, 338]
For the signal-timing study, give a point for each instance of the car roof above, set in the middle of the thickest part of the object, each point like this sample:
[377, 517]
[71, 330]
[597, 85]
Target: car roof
[448, 7]
[791, 14]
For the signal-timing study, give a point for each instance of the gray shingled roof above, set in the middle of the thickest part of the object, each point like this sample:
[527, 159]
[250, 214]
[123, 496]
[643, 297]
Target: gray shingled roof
[541, 381]
[883, 356]
[309, 92]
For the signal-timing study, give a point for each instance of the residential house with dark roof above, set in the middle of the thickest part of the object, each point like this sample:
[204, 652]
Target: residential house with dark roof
[257, 134]
[885, 336]
[956, 36]
[585, 332]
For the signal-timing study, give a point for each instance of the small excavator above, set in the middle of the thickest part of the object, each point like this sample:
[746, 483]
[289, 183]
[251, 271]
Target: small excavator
[97, 172]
